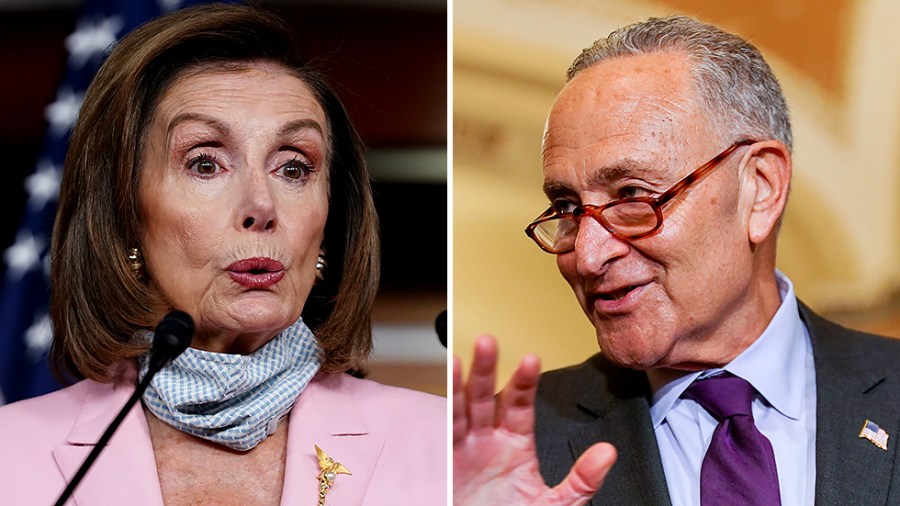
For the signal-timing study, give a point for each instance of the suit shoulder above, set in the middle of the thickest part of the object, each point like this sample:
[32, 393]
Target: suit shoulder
[388, 403]
[409, 426]
[577, 394]
[413, 424]
[29, 431]
[38, 415]
[596, 374]
[592, 369]
[833, 338]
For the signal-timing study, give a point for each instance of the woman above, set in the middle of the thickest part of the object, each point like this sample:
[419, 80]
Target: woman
[214, 171]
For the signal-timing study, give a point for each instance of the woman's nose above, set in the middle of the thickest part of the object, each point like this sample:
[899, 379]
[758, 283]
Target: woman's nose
[258, 213]
[249, 221]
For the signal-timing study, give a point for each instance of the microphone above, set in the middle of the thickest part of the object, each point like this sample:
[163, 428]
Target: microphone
[440, 325]
[173, 336]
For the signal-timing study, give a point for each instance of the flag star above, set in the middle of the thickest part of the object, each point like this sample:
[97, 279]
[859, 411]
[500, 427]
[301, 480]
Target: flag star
[62, 113]
[91, 38]
[43, 185]
[23, 255]
[38, 337]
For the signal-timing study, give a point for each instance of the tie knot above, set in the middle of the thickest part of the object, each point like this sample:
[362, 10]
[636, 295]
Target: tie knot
[723, 395]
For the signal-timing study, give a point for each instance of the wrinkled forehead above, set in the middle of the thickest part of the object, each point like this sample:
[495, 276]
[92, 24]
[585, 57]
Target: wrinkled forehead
[216, 82]
[627, 114]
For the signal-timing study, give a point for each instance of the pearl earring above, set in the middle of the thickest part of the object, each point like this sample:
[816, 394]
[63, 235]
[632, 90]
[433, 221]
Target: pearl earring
[135, 261]
[320, 267]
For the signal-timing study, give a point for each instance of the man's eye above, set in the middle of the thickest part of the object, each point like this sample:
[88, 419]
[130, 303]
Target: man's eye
[630, 192]
[564, 206]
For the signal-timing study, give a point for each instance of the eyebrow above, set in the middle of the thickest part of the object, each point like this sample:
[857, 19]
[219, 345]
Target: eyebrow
[200, 118]
[301, 124]
[604, 176]
[291, 127]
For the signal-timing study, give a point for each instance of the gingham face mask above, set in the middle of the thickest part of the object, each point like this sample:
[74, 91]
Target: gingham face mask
[234, 400]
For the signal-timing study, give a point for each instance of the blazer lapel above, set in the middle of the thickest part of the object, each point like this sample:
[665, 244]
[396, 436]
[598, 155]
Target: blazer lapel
[851, 387]
[325, 415]
[637, 476]
[125, 471]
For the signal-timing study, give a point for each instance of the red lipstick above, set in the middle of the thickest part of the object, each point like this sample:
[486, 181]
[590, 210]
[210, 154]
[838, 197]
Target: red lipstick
[256, 273]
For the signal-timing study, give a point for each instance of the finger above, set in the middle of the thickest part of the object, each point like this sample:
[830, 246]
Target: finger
[516, 413]
[587, 475]
[479, 393]
[460, 422]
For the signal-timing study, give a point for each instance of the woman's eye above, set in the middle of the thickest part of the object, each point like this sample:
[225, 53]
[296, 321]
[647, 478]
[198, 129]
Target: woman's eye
[204, 165]
[296, 169]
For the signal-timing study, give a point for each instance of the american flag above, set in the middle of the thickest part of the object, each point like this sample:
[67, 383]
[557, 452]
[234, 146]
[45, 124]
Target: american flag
[875, 434]
[25, 330]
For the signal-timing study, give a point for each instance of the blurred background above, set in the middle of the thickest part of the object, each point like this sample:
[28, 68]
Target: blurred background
[388, 62]
[839, 65]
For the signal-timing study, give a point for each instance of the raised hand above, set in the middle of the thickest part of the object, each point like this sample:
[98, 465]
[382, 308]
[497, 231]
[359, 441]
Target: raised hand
[494, 459]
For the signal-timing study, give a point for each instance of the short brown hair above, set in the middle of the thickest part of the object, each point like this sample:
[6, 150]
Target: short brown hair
[97, 302]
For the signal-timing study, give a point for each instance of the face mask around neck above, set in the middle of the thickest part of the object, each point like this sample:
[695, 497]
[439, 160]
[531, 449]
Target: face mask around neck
[234, 400]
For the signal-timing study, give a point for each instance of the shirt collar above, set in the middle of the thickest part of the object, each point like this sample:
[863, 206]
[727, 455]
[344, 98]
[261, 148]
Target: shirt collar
[769, 364]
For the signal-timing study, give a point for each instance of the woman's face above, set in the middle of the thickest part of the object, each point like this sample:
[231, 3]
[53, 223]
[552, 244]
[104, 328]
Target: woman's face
[234, 198]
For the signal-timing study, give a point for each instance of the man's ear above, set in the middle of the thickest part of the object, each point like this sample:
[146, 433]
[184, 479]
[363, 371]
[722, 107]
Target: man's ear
[769, 167]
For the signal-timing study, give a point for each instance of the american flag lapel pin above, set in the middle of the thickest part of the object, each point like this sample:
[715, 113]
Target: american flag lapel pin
[875, 434]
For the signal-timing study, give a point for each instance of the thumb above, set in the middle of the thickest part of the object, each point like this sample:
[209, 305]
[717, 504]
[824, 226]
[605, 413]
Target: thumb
[587, 475]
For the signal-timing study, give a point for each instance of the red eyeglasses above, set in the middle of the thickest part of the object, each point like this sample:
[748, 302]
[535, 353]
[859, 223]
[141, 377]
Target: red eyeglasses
[629, 218]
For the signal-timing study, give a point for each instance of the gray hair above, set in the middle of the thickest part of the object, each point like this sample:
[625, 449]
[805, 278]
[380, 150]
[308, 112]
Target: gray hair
[732, 77]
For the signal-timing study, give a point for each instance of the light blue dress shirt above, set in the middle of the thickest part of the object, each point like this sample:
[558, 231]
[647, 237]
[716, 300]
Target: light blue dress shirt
[780, 366]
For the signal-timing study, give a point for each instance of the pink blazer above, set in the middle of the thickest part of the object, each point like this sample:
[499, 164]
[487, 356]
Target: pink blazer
[393, 440]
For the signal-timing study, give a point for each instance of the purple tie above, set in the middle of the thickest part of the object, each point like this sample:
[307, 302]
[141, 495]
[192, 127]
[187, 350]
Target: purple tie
[739, 466]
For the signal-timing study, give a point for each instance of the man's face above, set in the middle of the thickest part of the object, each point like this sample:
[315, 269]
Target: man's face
[680, 298]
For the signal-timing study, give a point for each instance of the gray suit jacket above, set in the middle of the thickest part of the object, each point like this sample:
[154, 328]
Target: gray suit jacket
[857, 378]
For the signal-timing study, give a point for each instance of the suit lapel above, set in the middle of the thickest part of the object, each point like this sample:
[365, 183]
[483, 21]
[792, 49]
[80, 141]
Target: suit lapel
[637, 477]
[326, 415]
[621, 417]
[125, 471]
[851, 386]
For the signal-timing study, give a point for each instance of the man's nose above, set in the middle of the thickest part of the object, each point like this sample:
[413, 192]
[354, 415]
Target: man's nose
[596, 248]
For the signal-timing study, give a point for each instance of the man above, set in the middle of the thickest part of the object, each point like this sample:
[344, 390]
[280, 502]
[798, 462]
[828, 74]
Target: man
[667, 162]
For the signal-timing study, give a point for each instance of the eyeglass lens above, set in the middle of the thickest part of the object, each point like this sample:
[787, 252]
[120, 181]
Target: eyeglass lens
[627, 219]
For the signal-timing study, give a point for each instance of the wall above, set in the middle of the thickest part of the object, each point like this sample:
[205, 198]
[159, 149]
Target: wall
[840, 243]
